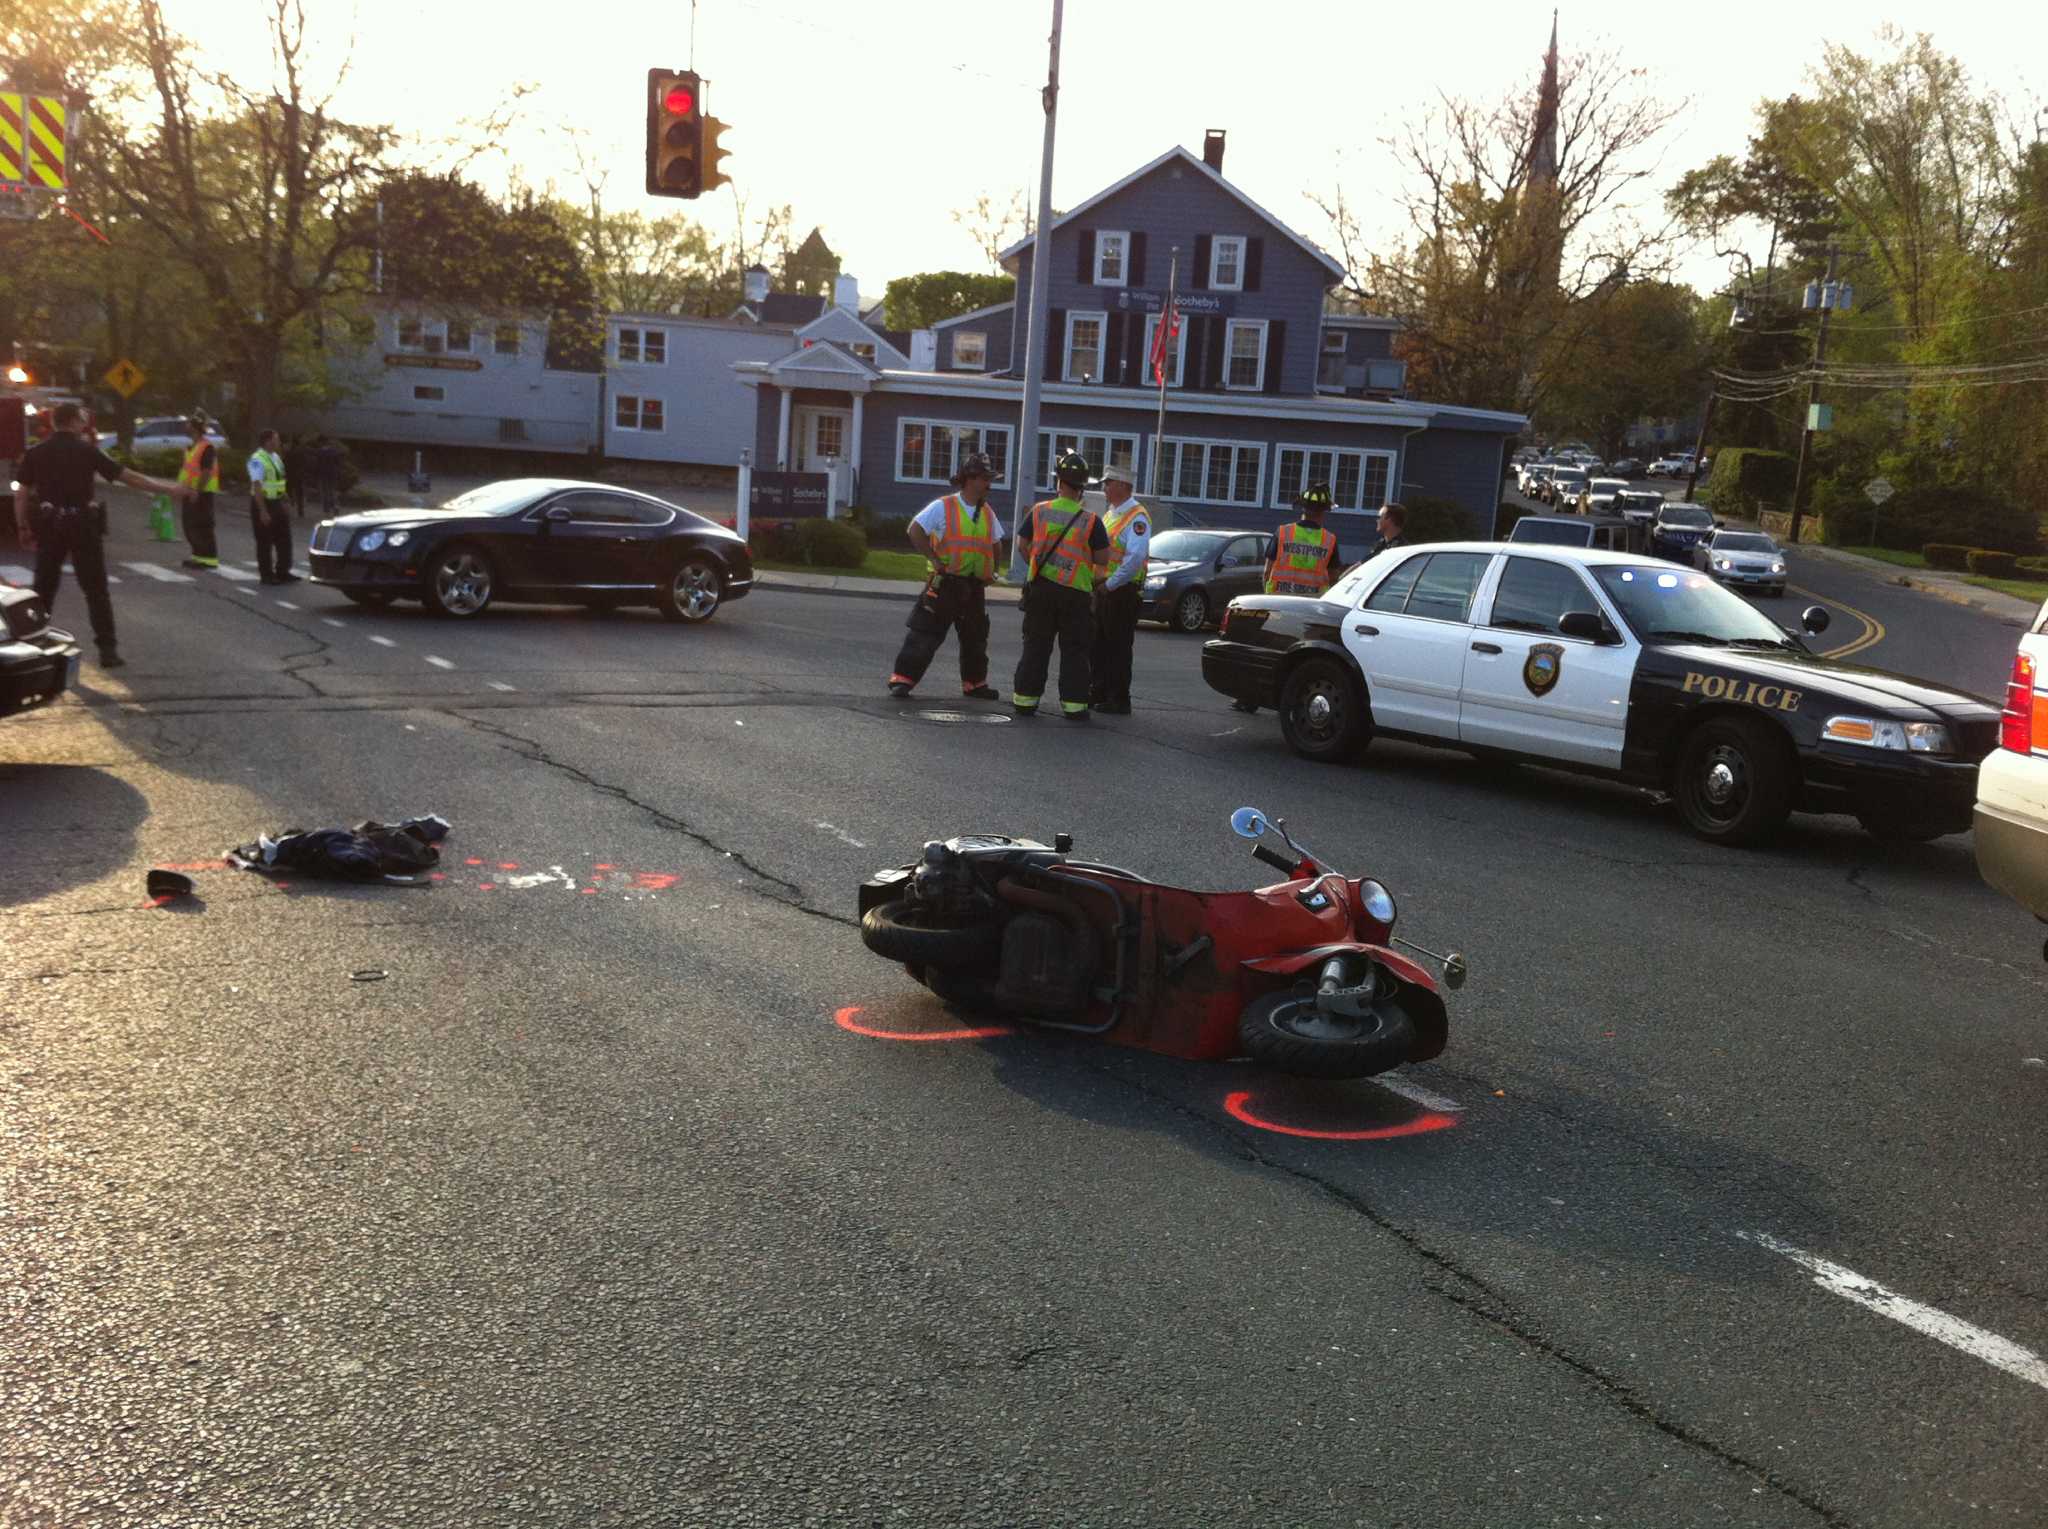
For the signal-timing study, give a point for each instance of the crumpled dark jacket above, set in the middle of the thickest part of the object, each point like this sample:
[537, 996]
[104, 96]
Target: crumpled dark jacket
[371, 851]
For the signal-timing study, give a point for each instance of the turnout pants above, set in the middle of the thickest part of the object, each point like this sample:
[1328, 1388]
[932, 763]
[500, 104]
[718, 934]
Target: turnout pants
[198, 519]
[271, 519]
[74, 534]
[1116, 628]
[1055, 613]
[949, 603]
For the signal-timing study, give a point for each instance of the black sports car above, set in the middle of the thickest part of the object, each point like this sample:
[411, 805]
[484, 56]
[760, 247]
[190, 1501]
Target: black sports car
[547, 540]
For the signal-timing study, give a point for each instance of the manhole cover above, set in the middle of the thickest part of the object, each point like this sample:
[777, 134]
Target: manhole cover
[995, 718]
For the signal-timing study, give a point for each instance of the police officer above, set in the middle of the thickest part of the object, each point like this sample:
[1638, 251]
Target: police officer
[1304, 553]
[269, 516]
[1393, 526]
[1129, 529]
[1068, 552]
[55, 514]
[200, 477]
[962, 540]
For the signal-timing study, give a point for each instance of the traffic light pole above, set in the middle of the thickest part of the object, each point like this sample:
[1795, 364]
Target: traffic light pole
[1820, 354]
[1024, 458]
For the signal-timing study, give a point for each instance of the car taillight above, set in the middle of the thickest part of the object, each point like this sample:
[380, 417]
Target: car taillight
[1223, 626]
[2016, 730]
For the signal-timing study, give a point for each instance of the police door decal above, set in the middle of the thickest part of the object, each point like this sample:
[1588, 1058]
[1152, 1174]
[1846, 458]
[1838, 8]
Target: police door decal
[1543, 668]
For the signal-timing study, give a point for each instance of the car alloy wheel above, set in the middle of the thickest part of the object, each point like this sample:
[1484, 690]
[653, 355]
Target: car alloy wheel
[461, 582]
[1191, 611]
[693, 591]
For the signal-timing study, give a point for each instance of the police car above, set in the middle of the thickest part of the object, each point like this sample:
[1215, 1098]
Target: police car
[1610, 664]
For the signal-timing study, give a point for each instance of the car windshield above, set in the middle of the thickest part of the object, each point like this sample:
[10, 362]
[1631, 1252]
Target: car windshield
[507, 498]
[1686, 518]
[1743, 541]
[1185, 546]
[1610, 485]
[1570, 475]
[1560, 533]
[1671, 605]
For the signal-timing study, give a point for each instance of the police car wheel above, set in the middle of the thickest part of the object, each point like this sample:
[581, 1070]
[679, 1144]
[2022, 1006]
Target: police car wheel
[1322, 715]
[1286, 1030]
[1191, 611]
[1734, 782]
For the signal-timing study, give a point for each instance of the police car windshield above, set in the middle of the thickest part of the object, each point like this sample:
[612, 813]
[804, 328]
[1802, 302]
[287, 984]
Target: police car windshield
[1676, 605]
[1185, 546]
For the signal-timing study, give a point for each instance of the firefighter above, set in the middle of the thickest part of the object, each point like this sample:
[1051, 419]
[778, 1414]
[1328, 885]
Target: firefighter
[200, 478]
[1068, 551]
[1305, 552]
[962, 540]
[1129, 528]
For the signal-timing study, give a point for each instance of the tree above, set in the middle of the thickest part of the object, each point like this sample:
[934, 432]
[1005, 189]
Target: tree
[918, 302]
[1640, 356]
[995, 223]
[1722, 198]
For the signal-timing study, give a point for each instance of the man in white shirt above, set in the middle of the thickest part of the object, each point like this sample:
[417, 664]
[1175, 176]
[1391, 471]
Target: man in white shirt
[1118, 597]
[962, 540]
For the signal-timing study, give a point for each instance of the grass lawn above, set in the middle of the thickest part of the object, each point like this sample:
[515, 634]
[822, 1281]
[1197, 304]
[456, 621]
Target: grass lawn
[1886, 555]
[879, 565]
[2035, 590]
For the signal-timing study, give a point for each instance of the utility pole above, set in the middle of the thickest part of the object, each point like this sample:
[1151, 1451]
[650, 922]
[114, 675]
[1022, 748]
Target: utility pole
[1024, 458]
[1699, 446]
[1820, 354]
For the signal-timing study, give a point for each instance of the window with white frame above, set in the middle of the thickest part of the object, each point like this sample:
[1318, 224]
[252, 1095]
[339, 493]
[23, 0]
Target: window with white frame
[970, 349]
[1226, 262]
[1084, 347]
[506, 341]
[865, 349]
[412, 334]
[1330, 367]
[1100, 450]
[1212, 472]
[1244, 364]
[1358, 479]
[643, 347]
[928, 450]
[457, 338]
[1177, 353]
[632, 412]
[428, 392]
[433, 336]
[1112, 252]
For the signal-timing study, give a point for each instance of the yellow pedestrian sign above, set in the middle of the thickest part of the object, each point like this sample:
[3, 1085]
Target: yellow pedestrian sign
[125, 378]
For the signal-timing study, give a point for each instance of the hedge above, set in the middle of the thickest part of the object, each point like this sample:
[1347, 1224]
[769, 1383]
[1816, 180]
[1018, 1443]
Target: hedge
[1744, 475]
[1431, 519]
[2033, 565]
[1947, 555]
[814, 543]
[1951, 517]
[1993, 565]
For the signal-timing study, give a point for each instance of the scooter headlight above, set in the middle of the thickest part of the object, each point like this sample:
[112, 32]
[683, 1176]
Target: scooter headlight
[1377, 901]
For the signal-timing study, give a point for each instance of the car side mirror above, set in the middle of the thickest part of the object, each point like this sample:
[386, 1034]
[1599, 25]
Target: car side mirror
[1720, 525]
[1222, 562]
[1815, 620]
[558, 516]
[1585, 625]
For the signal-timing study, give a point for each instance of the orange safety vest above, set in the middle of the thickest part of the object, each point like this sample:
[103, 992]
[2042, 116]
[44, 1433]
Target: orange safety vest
[1302, 556]
[189, 474]
[966, 546]
[1116, 525]
[1057, 553]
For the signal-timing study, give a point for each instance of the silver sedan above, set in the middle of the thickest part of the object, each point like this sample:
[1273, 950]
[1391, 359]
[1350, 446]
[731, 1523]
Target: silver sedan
[1743, 560]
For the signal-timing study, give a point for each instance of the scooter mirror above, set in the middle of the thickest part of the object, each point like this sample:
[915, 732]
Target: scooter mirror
[1455, 971]
[1248, 823]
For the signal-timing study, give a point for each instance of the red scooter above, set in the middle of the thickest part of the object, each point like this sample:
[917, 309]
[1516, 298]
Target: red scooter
[1300, 975]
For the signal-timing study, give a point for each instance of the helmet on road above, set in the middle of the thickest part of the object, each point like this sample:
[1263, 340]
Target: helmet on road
[1315, 497]
[1072, 468]
[974, 465]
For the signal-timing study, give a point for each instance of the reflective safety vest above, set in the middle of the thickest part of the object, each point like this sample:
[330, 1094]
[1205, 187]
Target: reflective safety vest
[1302, 555]
[273, 474]
[1057, 553]
[966, 545]
[1117, 525]
[194, 475]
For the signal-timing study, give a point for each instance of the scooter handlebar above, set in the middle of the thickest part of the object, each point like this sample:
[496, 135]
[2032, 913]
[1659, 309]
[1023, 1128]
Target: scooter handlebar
[1273, 857]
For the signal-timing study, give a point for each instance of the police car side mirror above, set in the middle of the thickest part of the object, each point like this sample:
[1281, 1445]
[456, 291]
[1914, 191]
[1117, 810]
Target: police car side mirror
[1585, 625]
[1815, 619]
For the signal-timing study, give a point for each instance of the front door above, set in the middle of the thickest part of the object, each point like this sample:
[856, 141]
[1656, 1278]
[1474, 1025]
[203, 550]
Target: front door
[823, 437]
[1410, 636]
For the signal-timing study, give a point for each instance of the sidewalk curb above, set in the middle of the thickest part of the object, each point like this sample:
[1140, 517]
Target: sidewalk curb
[2008, 608]
[868, 589]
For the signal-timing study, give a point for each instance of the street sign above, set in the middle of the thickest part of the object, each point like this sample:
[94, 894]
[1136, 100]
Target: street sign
[1877, 490]
[125, 378]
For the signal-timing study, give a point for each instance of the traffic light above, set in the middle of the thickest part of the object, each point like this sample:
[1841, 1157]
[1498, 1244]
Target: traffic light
[713, 152]
[675, 133]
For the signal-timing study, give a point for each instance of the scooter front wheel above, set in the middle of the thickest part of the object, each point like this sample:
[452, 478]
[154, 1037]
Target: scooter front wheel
[893, 931]
[1288, 1031]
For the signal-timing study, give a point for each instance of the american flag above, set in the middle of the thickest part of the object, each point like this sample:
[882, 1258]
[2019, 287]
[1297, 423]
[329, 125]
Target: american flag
[1164, 333]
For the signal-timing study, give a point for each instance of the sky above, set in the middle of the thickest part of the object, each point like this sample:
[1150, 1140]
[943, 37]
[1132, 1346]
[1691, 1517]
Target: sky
[877, 121]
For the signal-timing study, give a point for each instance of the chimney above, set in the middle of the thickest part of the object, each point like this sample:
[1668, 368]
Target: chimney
[756, 283]
[1212, 149]
[846, 293]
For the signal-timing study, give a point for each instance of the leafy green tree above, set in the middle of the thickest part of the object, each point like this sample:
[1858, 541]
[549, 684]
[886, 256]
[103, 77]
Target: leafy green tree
[1640, 356]
[918, 302]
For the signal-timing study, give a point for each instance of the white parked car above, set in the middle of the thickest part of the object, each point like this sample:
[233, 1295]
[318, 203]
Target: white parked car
[2012, 784]
[161, 432]
[1676, 465]
[1601, 494]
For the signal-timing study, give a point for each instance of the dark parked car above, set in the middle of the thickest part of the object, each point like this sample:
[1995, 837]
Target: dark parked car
[1678, 529]
[546, 540]
[1191, 576]
[37, 661]
[1607, 532]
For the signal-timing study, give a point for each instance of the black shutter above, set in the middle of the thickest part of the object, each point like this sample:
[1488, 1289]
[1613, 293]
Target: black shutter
[1135, 269]
[1087, 260]
[1055, 343]
[1219, 335]
[1198, 277]
[1254, 258]
[1276, 350]
[1113, 350]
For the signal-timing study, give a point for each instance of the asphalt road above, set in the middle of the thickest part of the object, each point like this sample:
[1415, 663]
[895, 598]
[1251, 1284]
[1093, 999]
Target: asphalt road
[568, 1191]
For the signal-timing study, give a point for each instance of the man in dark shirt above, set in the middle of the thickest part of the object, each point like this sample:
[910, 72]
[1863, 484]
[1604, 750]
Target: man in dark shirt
[298, 467]
[1393, 529]
[55, 514]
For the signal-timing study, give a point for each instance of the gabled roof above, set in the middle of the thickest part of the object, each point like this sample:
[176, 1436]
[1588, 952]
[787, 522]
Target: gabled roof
[978, 313]
[1178, 153]
[841, 325]
[789, 307]
[824, 358]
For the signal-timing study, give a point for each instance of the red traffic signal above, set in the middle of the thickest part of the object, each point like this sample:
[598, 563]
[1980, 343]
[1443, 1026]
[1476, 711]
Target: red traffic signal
[680, 101]
[675, 133]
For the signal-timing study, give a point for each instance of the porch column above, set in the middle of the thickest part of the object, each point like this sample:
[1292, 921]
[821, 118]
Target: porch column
[782, 434]
[853, 452]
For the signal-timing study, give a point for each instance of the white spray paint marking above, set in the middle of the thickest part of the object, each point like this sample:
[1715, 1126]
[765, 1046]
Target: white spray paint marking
[236, 574]
[1227, 732]
[841, 835]
[499, 685]
[553, 874]
[1938, 1325]
[284, 604]
[439, 663]
[382, 642]
[156, 571]
[14, 573]
[1415, 1091]
[332, 622]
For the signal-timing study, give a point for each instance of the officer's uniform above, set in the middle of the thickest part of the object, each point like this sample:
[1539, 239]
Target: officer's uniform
[201, 474]
[269, 517]
[1129, 528]
[1304, 553]
[1067, 546]
[59, 475]
[964, 541]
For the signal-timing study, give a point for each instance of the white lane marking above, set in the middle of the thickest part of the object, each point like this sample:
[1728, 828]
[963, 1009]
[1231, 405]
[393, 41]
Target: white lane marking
[1415, 1091]
[236, 574]
[499, 685]
[382, 642]
[841, 835]
[332, 622]
[1938, 1325]
[14, 573]
[285, 604]
[553, 873]
[160, 574]
[438, 662]
[113, 578]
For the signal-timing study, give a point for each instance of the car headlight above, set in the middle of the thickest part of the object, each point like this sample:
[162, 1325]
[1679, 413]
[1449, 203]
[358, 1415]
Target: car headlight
[1882, 733]
[1778, 567]
[369, 541]
[1723, 564]
[1154, 585]
[1377, 901]
[398, 538]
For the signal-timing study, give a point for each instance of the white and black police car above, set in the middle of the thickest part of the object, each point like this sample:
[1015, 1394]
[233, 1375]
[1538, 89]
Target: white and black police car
[38, 662]
[1610, 664]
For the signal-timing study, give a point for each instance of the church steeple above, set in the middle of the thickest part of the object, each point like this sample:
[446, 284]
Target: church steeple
[1543, 137]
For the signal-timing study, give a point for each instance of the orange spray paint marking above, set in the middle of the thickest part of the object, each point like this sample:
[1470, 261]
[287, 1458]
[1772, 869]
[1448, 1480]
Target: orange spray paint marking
[849, 1020]
[508, 865]
[487, 886]
[1239, 1107]
[590, 891]
[472, 860]
[604, 866]
[654, 881]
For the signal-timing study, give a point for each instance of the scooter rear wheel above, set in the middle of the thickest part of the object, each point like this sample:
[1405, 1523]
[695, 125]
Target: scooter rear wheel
[892, 932]
[1288, 1031]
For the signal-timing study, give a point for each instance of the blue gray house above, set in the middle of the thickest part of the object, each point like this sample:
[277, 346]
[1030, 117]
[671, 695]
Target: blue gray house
[1266, 390]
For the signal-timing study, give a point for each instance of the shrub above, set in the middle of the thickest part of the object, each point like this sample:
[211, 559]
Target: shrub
[1431, 519]
[1947, 555]
[1956, 517]
[1993, 565]
[1744, 475]
[1506, 516]
[813, 543]
[2033, 565]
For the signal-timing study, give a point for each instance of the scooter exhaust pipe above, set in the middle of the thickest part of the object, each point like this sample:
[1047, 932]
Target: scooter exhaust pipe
[1454, 967]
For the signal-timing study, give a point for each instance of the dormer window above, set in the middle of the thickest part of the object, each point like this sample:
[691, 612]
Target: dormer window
[1226, 262]
[1112, 255]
